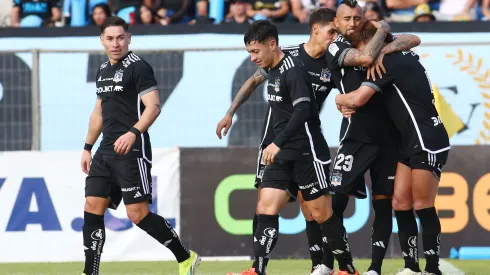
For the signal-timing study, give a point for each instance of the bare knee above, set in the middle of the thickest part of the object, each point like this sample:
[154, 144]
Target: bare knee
[96, 205]
[136, 212]
[422, 202]
[401, 203]
[267, 207]
[321, 209]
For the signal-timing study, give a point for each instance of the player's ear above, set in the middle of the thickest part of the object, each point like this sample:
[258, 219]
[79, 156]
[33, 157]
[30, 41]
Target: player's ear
[272, 43]
[336, 21]
[129, 38]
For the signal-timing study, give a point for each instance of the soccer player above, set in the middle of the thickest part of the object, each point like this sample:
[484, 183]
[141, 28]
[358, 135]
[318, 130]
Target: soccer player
[299, 152]
[312, 54]
[127, 105]
[407, 92]
[368, 138]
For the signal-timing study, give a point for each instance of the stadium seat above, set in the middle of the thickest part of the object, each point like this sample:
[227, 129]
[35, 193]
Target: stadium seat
[217, 10]
[124, 13]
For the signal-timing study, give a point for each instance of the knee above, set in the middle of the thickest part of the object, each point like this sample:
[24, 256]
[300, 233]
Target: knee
[306, 212]
[265, 207]
[401, 203]
[95, 205]
[136, 212]
[321, 214]
[422, 203]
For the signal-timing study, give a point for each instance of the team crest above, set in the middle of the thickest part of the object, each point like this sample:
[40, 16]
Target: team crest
[118, 76]
[276, 85]
[325, 75]
[336, 179]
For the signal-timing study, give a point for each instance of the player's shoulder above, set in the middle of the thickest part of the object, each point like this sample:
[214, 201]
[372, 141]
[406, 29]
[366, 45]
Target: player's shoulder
[290, 64]
[103, 65]
[339, 43]
[292, 50]
[133, 60]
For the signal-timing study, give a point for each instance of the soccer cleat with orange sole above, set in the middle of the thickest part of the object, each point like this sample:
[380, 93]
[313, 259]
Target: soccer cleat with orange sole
[341, 272]
[250, 271]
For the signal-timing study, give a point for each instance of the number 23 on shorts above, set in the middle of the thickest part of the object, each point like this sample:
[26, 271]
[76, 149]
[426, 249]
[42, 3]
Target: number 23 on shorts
[343, 162]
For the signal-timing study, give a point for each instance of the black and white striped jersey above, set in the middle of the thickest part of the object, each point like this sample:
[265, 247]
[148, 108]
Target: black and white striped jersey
[294, 112]
[409, 99]
[120, 87]
[370, 123]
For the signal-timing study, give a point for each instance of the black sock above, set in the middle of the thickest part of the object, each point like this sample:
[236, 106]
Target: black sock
[159, 228]
[339, 204]
[382, 227]
[314, 235]
[431, 234]
[407, 234]
[265, 238]
[336, 236]
[93, 241]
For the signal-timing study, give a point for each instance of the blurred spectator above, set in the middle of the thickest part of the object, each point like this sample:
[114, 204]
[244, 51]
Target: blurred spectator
[486, 10]
[202, 16]
[238, 13]
[423, 14]
[34, 13]
[175, 11]
[363, 3]
[145, 16]
[124, 8]
[274, 10]
[403, 10]
[460, 10]
[372, 12]
[301, 9]
[99, 13]
[78, 13]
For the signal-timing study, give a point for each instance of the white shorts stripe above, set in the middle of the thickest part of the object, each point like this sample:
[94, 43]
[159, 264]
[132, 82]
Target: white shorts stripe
[142, 175]
[145, 173]
[319, 175]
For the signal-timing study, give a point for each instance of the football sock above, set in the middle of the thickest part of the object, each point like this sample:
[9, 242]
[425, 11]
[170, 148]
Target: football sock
[381, 233]
[431, 234]
[93, 241]
[265, 238]
[339, 204]
[334, 232]
[161, 230]
[407, 234]
[314, 235]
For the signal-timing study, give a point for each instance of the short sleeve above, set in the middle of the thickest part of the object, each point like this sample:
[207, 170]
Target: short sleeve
[387, 78]
[298, 85]
[336, 53]
[264, 73]
[144, 78]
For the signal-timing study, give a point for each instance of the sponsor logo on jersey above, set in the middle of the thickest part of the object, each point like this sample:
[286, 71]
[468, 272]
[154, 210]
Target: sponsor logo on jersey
[277, 84]
[104, 65]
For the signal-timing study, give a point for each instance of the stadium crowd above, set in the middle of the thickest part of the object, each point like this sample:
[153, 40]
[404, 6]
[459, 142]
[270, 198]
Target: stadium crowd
[80, 13]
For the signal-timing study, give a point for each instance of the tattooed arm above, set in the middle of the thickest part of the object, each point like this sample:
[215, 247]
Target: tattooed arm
[246, 91]
[403, 42]
[368, 55]
[241, 97]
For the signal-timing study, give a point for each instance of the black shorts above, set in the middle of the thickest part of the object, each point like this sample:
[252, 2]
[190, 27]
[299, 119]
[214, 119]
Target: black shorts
[427, 161]
[310, 177]
[118, 177]
[354, 158]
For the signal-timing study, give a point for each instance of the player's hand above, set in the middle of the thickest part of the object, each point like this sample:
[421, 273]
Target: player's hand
[382, 24]
[377, 67]
[225, 123]
[270, 153]
[347, 112]
[124, 143]
[86, 161]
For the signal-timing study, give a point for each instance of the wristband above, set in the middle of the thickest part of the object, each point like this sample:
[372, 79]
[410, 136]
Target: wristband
[135, 131]
[88, 147]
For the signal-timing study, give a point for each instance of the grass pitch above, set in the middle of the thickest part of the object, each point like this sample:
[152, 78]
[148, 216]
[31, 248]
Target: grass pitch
[276, 267]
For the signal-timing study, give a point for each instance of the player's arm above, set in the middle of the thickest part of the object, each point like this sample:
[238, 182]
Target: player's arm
[95, 124]
[146, 86]
[355, 99]
[300, 90]
[241, 97]
[368, 55]
[403, 42]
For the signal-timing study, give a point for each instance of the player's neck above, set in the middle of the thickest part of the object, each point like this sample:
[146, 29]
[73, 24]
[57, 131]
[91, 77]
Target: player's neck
[278, 55]
[314, 49]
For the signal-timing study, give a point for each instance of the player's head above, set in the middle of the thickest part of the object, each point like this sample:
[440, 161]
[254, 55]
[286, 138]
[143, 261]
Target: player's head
[322, 26]
[115, 37]
[261, 40]
[349, 19]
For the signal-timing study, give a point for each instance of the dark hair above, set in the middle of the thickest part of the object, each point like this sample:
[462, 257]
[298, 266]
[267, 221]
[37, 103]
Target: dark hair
[321, 16]
[260, 31]
[113, 21]
[137, 14]
[350, 3]
[104, 7]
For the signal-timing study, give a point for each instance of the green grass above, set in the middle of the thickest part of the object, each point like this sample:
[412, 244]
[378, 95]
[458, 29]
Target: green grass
[282, 267]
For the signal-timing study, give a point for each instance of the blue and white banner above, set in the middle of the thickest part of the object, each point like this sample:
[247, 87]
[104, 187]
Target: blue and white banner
[197, 88]
[42, 202]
